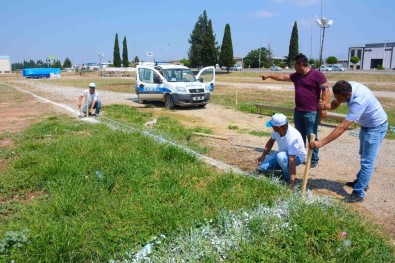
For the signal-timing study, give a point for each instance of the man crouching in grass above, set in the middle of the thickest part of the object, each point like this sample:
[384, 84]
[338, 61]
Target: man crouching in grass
[291, 150]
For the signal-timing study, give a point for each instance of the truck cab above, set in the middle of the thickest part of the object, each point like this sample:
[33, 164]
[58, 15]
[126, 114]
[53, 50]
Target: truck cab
[175, 85]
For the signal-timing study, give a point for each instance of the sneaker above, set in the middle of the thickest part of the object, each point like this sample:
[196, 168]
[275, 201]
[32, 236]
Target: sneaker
[351, 184]
[269, 173]
[354, 198]
[313, 165]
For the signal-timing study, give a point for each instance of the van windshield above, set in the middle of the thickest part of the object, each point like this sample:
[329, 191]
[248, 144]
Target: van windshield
[179, 75]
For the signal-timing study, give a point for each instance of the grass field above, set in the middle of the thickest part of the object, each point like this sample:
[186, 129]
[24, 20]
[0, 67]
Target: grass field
[76, 192]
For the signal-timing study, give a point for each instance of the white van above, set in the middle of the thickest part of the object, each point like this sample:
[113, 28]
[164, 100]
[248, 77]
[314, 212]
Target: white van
[174, 84]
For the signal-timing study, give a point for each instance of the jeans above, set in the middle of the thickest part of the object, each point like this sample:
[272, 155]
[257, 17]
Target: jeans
[278, 160]
[97, 107]
[306, 122]
[369, 145]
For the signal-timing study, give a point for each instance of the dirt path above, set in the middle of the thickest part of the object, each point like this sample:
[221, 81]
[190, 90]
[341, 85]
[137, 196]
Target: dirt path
[339, 160]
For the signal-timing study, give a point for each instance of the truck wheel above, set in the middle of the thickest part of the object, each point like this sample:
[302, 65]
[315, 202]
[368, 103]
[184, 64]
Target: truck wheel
[169, 104]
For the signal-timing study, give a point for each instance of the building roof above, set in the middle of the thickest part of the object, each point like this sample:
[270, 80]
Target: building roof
[387, 44]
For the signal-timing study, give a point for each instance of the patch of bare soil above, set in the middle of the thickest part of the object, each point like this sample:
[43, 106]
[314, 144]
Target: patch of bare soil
[339, 161]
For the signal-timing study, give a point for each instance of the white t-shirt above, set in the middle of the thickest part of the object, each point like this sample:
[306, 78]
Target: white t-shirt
[364, 108]
[292, 143]
[91, 97]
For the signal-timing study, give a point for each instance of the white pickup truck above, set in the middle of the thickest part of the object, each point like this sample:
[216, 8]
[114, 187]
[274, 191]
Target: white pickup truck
[174, 84]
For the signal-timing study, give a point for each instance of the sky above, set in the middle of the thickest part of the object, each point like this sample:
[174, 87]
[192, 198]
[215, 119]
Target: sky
[82, 30]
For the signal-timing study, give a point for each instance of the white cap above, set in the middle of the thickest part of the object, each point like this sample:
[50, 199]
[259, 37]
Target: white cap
[92, 85]
[277, 120]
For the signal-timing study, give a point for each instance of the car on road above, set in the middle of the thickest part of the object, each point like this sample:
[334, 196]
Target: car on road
[338, 68]
[235, 68]
[325, 68]
[275, 68]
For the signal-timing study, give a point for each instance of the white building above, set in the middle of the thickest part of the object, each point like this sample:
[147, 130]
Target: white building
[373, 56]
[5, 65]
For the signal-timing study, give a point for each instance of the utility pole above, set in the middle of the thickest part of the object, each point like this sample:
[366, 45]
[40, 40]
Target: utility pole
[260, 50]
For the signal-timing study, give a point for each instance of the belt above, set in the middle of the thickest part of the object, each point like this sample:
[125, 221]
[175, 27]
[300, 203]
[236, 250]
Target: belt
[367, 128]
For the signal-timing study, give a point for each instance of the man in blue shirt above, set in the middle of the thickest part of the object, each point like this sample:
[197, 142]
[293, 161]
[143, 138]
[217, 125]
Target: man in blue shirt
[366, 110]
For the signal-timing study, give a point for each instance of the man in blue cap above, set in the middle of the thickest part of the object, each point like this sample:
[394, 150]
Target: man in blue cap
[94, 102]
[291, 150]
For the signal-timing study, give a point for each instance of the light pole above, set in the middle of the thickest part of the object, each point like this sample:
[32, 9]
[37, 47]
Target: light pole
[385, 44]
[260, 49]
[100, 56]
[323, 24]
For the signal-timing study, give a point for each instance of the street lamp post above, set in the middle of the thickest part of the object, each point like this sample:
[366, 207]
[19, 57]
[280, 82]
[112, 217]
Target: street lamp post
[100, 67]
[385, 43]
[260, 50]
[323, 24]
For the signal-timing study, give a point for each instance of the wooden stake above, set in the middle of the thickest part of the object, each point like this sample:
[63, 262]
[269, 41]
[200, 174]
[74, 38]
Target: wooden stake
[87, 103]
[210, 135]
[307, 168]
[323, 98]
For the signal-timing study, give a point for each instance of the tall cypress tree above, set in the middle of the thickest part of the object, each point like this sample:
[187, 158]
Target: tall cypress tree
[125, 60]
[209, 51]
[117, 56]
[67, 63]
[197, 40]
[293, 45]
[226, 55]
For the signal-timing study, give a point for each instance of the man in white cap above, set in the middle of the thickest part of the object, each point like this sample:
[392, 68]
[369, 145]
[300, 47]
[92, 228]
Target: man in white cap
[93, 101]
[291, 150]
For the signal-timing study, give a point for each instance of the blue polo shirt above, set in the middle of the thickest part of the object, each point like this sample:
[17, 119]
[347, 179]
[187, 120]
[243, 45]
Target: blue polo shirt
[364, 108]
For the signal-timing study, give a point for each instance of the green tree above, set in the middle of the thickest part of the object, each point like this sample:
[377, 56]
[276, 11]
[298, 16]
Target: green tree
[252, 58]
[293, 45]
[136, 60]
[202, 51]
[56, 64]
[186, 62]
[67, 63]
[226, 57]
[125, 60]
[354, 60]
[331, 60]
[116, 54]
[209, 51]
[311, 61]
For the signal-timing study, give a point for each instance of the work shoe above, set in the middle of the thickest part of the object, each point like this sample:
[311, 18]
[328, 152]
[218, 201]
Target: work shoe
[351, 184]
[313, 165]
[354, 198]
[269, 173]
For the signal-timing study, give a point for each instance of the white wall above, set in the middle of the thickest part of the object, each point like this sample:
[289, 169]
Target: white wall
[378, 53]
[5, 65]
